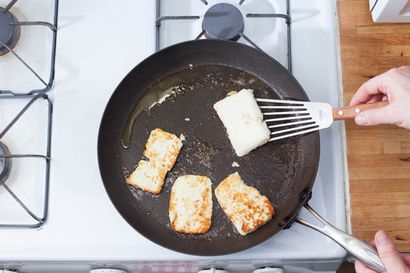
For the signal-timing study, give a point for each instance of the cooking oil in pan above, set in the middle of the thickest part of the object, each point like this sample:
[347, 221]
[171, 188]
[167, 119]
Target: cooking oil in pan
[189, 79]
[149, 100]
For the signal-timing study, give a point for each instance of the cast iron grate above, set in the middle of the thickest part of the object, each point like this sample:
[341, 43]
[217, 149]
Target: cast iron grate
[7, 47]
[33, 95]
[6, 157]
[232, 19]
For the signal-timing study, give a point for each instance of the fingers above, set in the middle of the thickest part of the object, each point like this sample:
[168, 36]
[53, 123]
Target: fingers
[374, 98]
[406, 259]
[361, 268]
[375, 85]
[391, 258]
[375, 116]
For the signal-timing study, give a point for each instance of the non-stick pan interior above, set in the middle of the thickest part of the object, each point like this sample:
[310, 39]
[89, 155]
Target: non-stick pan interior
[282, 170]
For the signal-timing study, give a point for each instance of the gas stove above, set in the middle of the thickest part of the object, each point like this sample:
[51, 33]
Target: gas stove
[27, 59]
[98, 45]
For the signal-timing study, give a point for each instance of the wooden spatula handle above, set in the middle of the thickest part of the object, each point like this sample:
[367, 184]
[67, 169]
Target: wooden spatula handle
[349, 112]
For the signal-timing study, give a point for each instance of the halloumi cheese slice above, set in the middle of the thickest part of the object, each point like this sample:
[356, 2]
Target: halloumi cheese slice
[190, 206]
[163, 148]
[148, 176]
[243, 120]
[244, 205]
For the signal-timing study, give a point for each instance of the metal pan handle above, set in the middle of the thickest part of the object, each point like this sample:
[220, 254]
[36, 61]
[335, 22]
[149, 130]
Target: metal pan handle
[357, 248]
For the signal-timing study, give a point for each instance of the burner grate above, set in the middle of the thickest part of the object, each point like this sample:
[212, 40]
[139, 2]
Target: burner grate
[6, 157]
[10, 37]
[210, 31]
[9, 34]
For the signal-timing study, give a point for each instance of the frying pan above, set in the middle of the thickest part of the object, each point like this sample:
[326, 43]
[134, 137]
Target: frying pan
[194, 75]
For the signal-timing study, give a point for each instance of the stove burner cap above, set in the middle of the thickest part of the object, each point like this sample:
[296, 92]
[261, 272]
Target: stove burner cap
[9, 33]
[5, 164]
[224, 22]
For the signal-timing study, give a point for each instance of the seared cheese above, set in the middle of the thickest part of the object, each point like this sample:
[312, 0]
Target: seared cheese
[244, 205]
[148, 176]
[190, 206]
[163, 148]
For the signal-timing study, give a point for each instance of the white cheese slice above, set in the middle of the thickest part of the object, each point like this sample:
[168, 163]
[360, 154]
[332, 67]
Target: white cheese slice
[243, 121]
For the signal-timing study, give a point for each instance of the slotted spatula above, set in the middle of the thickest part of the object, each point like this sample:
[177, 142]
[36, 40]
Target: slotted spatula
[287, 118]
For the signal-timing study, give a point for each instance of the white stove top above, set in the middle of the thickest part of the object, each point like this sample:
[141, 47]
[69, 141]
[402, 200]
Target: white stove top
[98, 44]
[34, 46]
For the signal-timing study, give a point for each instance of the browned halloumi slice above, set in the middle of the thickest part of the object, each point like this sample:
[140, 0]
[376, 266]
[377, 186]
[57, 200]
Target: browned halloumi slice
[190, 205]
[163, 148]
[244, 205]
[148, 176]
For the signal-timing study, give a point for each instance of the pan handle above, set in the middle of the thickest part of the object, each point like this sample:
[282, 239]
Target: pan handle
[357, 248]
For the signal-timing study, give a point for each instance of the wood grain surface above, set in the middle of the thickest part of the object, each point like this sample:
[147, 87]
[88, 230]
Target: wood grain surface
[378, 157]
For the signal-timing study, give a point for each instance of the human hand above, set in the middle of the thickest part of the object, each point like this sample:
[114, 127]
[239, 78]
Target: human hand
[393, 261]
[394, 86]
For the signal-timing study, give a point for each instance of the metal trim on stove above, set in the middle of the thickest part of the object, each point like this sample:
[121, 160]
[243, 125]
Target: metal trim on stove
[286, 17]
[47, 157]
[53, 28]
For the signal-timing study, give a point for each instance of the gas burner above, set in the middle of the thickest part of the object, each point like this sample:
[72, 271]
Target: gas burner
[5, 163]
[9, 31]
[224, 22]
[27, 191]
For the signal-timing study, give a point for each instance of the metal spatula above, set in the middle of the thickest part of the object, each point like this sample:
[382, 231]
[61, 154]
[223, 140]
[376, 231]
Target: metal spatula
[287, 118]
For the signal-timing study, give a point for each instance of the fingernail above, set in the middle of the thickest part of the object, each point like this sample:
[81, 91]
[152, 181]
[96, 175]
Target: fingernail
[361, 119]
[382, 238]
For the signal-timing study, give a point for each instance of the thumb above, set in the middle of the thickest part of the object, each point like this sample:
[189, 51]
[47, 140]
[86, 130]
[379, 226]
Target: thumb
[374, 117]
[388, 253]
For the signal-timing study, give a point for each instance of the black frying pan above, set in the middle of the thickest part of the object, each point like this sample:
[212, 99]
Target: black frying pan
[201, 73]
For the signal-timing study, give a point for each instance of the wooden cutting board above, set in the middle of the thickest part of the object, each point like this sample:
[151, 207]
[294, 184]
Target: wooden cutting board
[378, 157]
